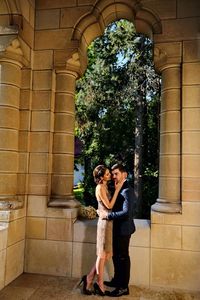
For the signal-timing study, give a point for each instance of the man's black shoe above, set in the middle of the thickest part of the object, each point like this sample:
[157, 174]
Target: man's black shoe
[111, 283]
[119, 292]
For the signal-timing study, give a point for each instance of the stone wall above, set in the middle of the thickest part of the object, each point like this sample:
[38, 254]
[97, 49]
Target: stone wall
[42, 53]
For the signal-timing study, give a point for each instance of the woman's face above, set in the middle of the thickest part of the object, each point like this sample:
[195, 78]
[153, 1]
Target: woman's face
[107, 175]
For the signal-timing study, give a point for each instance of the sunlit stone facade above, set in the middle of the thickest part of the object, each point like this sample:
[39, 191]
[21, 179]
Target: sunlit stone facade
[43, 50]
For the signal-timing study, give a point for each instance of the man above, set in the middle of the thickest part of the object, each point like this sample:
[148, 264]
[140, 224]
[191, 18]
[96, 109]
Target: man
[123, 226]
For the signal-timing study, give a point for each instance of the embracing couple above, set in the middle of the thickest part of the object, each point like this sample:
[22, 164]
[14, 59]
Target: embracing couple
[114, 228]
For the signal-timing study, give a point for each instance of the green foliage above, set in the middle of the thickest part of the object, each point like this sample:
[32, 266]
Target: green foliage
[119, 69]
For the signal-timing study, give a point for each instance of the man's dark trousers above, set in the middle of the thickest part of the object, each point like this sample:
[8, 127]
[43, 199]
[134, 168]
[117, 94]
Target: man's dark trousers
[121, 260]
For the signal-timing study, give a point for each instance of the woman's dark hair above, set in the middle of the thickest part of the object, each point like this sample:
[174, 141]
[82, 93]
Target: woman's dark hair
[98, 173]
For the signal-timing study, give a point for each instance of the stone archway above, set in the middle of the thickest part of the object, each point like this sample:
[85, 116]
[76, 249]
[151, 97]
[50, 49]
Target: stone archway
[91, 26]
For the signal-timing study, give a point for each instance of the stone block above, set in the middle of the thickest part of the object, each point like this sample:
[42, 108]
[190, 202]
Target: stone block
[52, 39]
[23, 162]
[169, 188]
[191, 51]
[171, 78]
[10, 74]
[39, 141]
[169, 165]
[9, 95]
[24, 99]
[27, 33]
[63, 143]
[38, 162]
[191, 142]
[42, 60]
[26, 79]
[191, 117]
[64, 213]
[190, 189]
[189, 166]
[59, 229]
[191, 73]
[191, 96]
[64, 123]
[3, 236]
[65, 83]
[140, 266]
[40, 121]
[14, 261]
[9, 139]
[38, 184]
[170, 143]
[9, 118]
[79, 258]
[8, 183]
[166, 9]
[170, 121]
[48, 257]
[85, 231]
[37, 206]
[75, 13]
[56, 4]
[47, 19]
[170, 100]
[42, 80]
[175, 269]
[23, 140]
[191, 238]
[25, 8]
[62, 184]
[172, 30]
[166, 236]
[2, 269]
[25, 49]
[41, 100]
[187, 9]
[141, 237]
[16, 231]
[25, 120]
[36, 228]
[63, 163]
[64, 103]
[32, 15]
[21, 184]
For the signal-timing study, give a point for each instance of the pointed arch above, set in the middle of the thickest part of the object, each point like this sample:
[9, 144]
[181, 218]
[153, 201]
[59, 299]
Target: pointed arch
[105, 12]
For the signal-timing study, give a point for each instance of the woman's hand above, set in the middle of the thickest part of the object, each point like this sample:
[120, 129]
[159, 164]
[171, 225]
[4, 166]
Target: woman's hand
[119, 185]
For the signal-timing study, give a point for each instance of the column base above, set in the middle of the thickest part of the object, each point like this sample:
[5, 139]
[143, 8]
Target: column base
[166, 207]
[10, 203]
[64, 202]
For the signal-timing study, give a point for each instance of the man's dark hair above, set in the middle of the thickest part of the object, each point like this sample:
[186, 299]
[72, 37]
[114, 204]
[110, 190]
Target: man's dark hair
[118, 166]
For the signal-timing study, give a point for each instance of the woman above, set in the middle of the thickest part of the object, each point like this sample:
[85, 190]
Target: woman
[104, 230]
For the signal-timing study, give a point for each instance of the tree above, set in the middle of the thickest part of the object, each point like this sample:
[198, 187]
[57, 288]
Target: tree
[119, 81]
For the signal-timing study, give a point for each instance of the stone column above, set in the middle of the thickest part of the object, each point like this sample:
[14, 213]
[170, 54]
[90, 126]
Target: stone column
[63, 139]
[169, 198]
[10, 82]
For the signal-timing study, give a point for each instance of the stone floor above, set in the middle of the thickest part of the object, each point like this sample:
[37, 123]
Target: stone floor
[36, 287]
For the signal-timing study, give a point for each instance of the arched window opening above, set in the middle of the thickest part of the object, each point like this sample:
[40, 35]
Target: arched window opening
[117, 113]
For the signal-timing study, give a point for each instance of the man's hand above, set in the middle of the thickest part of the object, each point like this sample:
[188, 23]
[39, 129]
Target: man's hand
[102, 214]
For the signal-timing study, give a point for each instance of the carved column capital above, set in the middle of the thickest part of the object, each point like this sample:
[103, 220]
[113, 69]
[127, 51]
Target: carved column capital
[13, 52]
[167, 55]
[73, 64]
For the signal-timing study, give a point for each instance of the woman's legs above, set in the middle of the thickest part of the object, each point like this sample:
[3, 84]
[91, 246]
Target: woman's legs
[90, 276]
[100, 263]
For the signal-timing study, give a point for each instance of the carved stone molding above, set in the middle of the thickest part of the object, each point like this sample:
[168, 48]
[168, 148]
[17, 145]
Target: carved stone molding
[166, 55]
[73, 64]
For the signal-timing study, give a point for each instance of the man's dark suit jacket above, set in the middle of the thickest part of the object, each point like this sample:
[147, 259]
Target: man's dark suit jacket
[123, 211]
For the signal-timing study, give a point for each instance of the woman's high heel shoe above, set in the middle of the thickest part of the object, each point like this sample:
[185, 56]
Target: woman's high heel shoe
[84, 283]
[97, 290]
